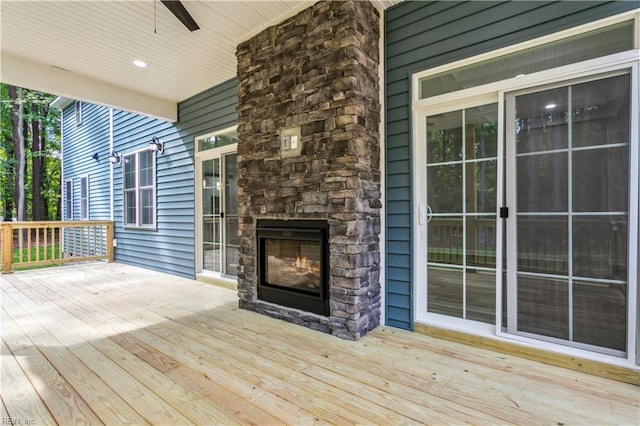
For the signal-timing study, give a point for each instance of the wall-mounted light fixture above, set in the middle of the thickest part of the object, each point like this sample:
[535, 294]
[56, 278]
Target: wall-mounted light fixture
[96, 156]
[156, 145]
[115, 158]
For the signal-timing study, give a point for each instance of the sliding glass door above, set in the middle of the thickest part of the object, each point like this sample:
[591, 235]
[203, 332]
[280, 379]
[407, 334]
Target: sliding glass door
[526, 214]
[217, 205]
[526, 188]
[568, 150]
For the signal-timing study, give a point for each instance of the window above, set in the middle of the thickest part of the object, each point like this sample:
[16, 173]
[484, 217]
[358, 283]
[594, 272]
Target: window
[68, 199]
[205, 143]
[84, 198]
[139, 189]
[581, 47]
[78, 111]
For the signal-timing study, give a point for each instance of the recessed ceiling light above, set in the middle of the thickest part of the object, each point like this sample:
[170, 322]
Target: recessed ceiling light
[520, 75]
[140, 64]
[550, 106]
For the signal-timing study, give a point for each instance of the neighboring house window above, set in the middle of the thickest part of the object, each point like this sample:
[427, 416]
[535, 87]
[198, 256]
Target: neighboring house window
[140, 189]
[84, 198]
[68, 199]
[78, 107]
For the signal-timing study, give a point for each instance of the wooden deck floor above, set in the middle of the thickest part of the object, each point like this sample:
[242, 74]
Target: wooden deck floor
[113, 344]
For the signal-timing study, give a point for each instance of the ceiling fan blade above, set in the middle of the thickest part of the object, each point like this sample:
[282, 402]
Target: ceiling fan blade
[177, 8]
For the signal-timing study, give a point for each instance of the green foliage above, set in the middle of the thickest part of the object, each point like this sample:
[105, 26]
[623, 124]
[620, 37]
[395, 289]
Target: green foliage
[51, 186]
[52, 252]
[36, 107]
[34, 254]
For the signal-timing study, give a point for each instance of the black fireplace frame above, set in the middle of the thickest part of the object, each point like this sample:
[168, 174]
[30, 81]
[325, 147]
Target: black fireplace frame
[305, 230]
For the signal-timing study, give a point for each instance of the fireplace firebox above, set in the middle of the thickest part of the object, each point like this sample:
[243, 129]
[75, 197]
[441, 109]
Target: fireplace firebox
[292, 263]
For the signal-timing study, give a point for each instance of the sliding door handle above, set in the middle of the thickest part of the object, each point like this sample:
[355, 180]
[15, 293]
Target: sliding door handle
[422, 217]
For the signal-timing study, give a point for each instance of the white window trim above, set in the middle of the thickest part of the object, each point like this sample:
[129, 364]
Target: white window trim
[138, 224]
[86, 177]
[494, 92]
[68, 200]
[201, 156]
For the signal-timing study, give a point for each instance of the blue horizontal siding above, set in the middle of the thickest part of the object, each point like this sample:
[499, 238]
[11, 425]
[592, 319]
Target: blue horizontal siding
[399, 247]
[422, 35]
[80, 144]
[396, 141]
[170, 247]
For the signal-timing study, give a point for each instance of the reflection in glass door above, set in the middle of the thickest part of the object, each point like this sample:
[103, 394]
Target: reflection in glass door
[219, 213]
[568, 154]
[461, 223]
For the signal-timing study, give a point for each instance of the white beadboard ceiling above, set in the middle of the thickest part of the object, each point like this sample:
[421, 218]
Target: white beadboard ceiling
[85, 49]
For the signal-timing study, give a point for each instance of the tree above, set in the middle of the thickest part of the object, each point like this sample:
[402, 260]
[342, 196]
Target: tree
[38, 212]
[17, 127]
[29, 151]
[7, 161]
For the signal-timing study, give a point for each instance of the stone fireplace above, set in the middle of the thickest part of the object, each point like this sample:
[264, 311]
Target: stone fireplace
[309, 154]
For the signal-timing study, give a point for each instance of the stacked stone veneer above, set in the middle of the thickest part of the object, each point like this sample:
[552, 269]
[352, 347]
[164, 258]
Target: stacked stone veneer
[317, 71]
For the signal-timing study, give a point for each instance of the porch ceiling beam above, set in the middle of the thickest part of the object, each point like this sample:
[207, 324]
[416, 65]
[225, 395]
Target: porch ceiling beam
[24, 72]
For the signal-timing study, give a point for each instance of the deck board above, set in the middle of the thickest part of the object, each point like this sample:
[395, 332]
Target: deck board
[114, 344]
[52, 388]
[19, 395]
[102, 399]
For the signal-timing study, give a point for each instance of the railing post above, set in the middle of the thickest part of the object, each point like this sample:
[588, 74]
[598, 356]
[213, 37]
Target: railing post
[7, 248]
[110, 235]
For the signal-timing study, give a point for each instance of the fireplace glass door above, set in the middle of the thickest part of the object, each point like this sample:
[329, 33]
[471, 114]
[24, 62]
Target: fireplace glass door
[294, 264]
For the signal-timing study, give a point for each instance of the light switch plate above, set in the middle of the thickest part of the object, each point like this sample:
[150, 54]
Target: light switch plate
[290, 142]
